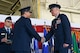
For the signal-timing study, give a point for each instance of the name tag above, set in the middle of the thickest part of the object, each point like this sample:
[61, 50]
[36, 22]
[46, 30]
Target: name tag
[3, 34]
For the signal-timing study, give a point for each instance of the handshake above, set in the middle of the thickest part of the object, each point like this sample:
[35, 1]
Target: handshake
[43, 39]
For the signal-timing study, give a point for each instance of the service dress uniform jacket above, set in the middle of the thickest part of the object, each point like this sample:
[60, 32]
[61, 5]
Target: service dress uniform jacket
[61, 30]
[4, 47]
[23, 34]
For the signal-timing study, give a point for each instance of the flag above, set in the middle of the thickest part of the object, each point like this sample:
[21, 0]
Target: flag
[75, 45]
[36, 46]
[45, 48]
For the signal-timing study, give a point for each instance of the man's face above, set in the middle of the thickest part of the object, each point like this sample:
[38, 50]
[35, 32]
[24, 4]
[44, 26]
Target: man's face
[8, 23]
[55, 11]
[28, 14]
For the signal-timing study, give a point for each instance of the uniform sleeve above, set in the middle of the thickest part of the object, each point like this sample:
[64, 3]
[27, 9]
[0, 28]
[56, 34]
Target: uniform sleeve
[50, 34]
[31, 30]
[67, 29]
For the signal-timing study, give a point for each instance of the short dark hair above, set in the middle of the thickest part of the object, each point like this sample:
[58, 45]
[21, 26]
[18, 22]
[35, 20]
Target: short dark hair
[22, 13]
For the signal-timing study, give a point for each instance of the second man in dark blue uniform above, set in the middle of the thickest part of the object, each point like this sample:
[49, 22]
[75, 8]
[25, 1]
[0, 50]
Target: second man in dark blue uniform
[24, 32]
[61, 30]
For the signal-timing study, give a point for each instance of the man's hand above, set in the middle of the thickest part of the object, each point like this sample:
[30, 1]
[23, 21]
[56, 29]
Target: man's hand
[6, 41]
[65, 45]
[42, 39]
[3, 40]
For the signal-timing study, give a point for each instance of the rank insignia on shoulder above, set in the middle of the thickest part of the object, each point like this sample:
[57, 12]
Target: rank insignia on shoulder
[3, 34]
[58, 21]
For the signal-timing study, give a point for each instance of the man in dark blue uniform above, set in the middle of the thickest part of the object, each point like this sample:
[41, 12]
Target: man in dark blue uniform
[61, 30]
[5, 36]
[24, 32]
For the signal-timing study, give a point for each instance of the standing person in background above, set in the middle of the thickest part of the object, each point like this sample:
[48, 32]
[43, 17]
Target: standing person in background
[24, 32]
[5, 36]
[61, 30]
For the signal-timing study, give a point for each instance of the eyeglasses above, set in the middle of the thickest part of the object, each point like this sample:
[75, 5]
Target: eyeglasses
[9, 21]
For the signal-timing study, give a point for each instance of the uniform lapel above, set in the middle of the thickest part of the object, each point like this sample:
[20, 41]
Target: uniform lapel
[58, 16]
[10, 31]
[55, 21]
[4, 30]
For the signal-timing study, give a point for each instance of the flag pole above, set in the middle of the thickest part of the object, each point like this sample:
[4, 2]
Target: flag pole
[44, 25]
[45, 48]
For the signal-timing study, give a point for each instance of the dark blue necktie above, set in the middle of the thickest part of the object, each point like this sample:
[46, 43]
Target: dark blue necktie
[8, 30]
